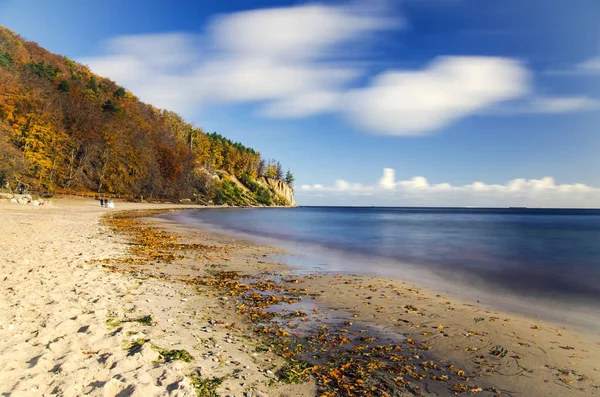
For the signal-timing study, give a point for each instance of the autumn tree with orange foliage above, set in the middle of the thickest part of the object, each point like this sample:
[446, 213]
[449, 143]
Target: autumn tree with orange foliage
[62, 127]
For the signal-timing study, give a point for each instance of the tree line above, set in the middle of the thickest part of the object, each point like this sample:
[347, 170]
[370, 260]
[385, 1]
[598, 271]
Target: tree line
[61, 126]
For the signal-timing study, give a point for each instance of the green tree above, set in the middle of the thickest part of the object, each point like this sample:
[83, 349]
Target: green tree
[5, 59]
[289, 178]
[64, 86]
[119, 92]
[92, 84]
[110, 106]
[42, 70]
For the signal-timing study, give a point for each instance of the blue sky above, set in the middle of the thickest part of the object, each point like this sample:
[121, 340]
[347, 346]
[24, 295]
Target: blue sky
[469, 94]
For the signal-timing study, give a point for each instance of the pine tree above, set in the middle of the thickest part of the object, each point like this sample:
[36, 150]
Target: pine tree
[289, 178]
[119, 92]
[64, 86]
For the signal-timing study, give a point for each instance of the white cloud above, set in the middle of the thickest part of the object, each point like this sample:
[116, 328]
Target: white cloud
[417, 102]
[302, 105]
[590, 66]
[563, 104]
[342, 185]
[546, 105]
[295, 33]
[388, 180]
[164, 50]
[246, 80]
[285, 59]
[122, 68]
[299, 61]
[417, 191]
[415, 183]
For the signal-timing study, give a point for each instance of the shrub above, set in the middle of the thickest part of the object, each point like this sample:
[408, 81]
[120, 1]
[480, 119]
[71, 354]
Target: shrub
[119, 92]
[42, 70]
[64, 86]
[6, 59]
[110, 107]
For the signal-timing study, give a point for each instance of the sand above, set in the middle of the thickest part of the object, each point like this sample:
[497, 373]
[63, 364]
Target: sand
[68, 321]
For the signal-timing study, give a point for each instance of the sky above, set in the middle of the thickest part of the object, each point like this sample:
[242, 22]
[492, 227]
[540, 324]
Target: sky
[380, 102]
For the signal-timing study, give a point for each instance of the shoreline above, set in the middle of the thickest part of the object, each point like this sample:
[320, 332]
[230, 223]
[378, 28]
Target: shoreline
[522, 335]
[579, 316]
[543, 360]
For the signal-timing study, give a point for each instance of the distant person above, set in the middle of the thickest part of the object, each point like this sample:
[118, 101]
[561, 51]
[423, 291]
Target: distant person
[101, 202]
[21, 189]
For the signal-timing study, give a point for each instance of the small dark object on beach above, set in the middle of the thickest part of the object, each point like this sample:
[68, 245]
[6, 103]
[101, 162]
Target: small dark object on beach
[499, 351]
[145, 320]
[206, 387]
[173, 355]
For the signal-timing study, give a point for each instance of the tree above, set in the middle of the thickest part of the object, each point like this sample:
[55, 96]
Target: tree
[278, 171]
[110, 106]
[6, 59]
[289, 178]
[202, 149]
[42, 70]
[92, 87]
[92, 84]
[119, 92]
[271, 170]
[216, 156]
[12, 163]
[261, 168]
[64, 86]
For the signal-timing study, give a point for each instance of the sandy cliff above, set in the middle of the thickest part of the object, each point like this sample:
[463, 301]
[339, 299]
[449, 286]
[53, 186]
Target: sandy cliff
[280, 188]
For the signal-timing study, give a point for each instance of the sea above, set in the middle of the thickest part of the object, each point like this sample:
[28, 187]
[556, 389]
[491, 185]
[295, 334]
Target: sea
[537, 262]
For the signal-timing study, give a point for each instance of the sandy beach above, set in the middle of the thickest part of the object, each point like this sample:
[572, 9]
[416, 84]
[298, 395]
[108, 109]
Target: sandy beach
[101, 306]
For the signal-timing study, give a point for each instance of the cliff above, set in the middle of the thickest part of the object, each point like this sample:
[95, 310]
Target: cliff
[280, 188]
[248, 191]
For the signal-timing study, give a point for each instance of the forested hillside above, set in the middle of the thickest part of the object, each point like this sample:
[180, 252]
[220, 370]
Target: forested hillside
[62, 127]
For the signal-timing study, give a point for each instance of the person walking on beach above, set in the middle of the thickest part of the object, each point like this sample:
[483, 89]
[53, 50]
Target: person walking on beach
[21, 189]
[101, 202]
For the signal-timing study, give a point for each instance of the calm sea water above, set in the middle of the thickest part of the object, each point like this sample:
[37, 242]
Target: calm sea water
[548, 256]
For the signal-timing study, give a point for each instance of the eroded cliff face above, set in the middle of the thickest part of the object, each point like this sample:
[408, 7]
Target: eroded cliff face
[280, 188]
